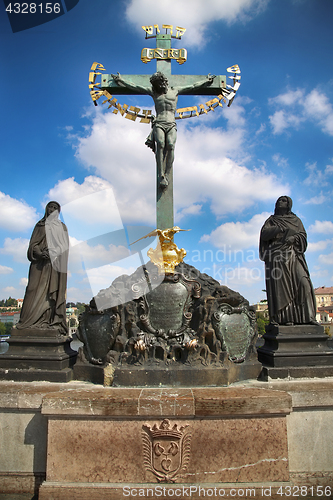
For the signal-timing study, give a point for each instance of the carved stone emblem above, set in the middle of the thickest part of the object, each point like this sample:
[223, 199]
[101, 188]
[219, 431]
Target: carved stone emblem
[234, 326]
[166, 308]
[97, 332]
[166, 450]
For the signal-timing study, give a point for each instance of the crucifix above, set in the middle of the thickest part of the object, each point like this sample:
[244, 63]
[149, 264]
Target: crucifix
[164, 87]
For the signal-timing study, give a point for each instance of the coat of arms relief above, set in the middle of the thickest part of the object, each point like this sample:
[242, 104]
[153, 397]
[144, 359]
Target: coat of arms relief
[166, 450]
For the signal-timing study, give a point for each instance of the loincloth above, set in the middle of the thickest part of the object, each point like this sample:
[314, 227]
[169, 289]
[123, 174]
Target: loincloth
[165, 126]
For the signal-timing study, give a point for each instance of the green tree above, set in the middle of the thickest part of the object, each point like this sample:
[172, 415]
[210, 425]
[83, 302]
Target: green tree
[80, 308]
[261, 322]
[2, 328]
[11, 302]
[8, 327]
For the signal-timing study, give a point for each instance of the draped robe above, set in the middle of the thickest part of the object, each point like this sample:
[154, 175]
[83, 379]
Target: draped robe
[290, 294]
[44, 304]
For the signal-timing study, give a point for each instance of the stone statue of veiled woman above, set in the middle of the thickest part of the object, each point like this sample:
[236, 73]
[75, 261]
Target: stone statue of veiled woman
[283, 241]
[44, 304]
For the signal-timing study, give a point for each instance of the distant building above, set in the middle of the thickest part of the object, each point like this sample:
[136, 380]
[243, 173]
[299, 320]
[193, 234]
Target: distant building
[72, 319]
[10, 317]
[324, 301]
[324, 296]
[19, 303]
[262, 307]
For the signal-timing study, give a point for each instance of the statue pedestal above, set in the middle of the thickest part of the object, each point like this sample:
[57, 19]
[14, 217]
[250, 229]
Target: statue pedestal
[295, 351]
[38, 354]
[164, 376]
[130, 442]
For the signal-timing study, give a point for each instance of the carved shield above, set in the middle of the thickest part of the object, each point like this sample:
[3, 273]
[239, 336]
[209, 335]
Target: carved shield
[166, 455]
[234, 328]
[166, 306]
[97, 332]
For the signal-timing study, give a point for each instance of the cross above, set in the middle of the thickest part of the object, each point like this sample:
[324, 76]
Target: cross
[164, 54]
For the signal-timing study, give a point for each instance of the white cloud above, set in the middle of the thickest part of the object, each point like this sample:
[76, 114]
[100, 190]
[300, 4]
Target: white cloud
[23, 281]
[244, 275]
[17, 248]
[194, 15]
[281, 120]
[93, 256]
[289, 98]
[316, 176]
[280, 161]
[6, 270]
[89, 209]
[324, 227]
[9, 289]
[131, 174]
[194, 209]
[102, 277]
[329, 169]
[319, 246]
[326, 259]
[237, 235]
[16, 215]
[203, 169]
[297, 106]
[316, 200]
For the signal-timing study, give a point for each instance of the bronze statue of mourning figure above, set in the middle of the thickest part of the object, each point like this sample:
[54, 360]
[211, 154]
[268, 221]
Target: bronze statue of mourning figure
[162, 138]
[39, 345]
[44, 304]
[283, 241]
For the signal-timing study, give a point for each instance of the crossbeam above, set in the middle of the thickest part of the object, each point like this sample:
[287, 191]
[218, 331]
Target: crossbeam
[111, 86]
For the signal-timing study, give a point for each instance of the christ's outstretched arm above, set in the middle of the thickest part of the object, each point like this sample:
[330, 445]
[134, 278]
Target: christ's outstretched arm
[202, 83]
[130, 85]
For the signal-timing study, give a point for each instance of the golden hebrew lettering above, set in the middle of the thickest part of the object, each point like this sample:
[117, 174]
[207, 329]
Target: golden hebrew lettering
[190, 109]
[221, 98]
[96, 94]
[107, 94]
[122, 109]
[112, 103]
[148, 29]
[132, 113]
[92, 77]
[233, 69]
[147, 116]
[98, 66]
[168, 27]
[213, 103]
[180, 31]
[132, 116]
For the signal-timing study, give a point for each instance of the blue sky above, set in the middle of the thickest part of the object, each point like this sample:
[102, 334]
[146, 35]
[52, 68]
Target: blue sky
[230, 165]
